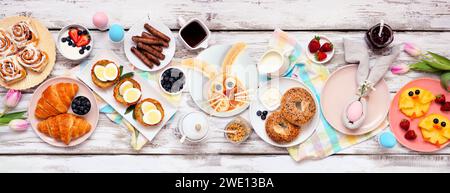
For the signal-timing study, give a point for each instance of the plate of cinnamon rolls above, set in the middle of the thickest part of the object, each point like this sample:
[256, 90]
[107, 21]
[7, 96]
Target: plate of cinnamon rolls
[27, 52]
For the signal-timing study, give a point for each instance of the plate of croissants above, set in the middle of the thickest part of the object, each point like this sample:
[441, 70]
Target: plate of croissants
[63, 112]
[27, 52]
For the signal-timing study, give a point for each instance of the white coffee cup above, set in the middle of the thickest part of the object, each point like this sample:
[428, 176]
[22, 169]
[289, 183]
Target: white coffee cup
[274, 63]
[204, 43]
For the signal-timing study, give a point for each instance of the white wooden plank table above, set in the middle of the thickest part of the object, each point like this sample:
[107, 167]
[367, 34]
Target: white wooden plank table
[425, 23]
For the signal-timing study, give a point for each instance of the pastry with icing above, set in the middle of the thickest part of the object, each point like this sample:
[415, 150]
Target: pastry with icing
[7, 46]
[23, 33]
[10, 70]
[33, 58]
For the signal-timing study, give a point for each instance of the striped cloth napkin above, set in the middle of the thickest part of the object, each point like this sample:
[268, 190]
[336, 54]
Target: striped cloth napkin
[326, 140]
[137, 140]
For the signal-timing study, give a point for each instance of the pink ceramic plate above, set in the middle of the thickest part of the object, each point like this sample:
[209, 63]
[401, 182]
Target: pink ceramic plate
[395, 116]
[340, 88]
[91, 117]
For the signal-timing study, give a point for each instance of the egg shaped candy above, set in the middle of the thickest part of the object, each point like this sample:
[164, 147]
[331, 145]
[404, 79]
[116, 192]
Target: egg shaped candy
[116, 33]
[100, 20]
[387, 140]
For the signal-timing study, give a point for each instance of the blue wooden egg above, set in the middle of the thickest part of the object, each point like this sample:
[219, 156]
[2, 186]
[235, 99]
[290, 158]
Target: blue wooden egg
[116, 33]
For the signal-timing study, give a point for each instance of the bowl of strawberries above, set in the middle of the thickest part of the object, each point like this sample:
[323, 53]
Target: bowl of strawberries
[320, 49]
[74, 42]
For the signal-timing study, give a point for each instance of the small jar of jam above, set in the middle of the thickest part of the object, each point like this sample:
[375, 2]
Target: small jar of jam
[379, 41]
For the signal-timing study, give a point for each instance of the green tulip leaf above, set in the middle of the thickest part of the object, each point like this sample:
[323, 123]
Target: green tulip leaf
[441, 59]
[438, 61]
[445, 81]
[16, 115]
[6, 118]
[422, 66]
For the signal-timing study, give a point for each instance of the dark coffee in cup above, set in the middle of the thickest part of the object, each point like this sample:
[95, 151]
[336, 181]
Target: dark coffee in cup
[193, 34]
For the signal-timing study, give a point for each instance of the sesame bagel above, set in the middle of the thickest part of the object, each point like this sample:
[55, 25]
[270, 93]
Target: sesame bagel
[298, 106]
[279, 129]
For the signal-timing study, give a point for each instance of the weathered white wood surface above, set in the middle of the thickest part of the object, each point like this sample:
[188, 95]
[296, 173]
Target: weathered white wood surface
[223, 163]
[247, 14]
[231, 22]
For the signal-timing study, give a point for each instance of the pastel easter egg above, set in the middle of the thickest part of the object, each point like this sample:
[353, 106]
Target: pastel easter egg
[100, 20]
[387, 140]
[116, 33]
[355, 111]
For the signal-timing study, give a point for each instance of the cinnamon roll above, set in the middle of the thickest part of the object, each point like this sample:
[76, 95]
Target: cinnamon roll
[10, 70]
[23, 33]
[7, 46]
[32, 58]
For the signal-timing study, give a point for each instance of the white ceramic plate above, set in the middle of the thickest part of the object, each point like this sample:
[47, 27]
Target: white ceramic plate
[91, 117]
[148, 91]
[283, 84]
[312, 57]
[137, 29]
[244, 68]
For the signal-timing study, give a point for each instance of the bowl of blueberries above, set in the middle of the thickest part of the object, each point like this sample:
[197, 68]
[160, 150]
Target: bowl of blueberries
[75, 42]
[172, 80]
[81, 105]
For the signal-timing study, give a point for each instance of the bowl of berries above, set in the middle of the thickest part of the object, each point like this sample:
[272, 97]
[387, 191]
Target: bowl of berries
[81, 105]
[320, 49]
[74, 42]
[172, 80]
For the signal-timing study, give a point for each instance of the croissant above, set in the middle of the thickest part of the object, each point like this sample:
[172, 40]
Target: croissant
[64, 127]
[55, 100]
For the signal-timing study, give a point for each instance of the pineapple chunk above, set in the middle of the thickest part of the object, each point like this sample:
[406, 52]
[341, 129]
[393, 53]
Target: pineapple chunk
[434, 137]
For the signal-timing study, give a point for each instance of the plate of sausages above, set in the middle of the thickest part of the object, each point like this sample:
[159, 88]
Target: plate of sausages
[149, 45]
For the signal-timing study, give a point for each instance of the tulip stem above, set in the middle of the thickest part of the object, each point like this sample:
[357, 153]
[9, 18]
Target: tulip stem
[4, 111]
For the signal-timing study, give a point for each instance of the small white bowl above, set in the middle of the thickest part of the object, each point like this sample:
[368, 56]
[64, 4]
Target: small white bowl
[63, 33]
[164, 90]
[330, 54]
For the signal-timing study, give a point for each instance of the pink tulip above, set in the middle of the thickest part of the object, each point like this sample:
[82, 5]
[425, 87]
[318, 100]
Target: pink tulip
[400, 69]
[19, 124]
[12, 98]
[411, 49]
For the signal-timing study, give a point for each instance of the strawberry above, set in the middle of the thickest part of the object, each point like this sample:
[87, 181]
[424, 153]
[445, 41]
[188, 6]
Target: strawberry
[314, 44]
[83, 40]
[404, 124]
[445, 106]
[440, 99]
[73, 34]
[320, 56]
[410, 135]
[326, 47]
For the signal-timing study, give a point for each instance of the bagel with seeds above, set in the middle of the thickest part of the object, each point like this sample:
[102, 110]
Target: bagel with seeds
[279, 129]
[298, 106]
